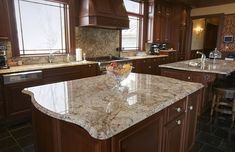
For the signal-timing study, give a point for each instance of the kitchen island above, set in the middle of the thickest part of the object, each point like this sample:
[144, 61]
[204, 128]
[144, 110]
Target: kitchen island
[147, 113]
[206, 74]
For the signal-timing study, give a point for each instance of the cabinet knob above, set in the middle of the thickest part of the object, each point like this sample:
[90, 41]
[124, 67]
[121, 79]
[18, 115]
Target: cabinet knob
[150, 67]
[190, 107]
[89, 65]
[178, 109]
[144, 61]
[189, 77]
[178, 122]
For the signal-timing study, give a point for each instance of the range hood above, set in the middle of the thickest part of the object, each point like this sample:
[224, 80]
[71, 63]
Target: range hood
[103, 13]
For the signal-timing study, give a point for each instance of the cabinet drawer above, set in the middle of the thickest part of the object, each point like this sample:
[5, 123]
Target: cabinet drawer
[176, 109]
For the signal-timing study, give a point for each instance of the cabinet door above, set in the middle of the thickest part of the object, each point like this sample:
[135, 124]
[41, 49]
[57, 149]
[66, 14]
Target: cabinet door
[157, 24]
[145, 137]
[4, 21]
[17, 103]
[174, 135]
[192, 109]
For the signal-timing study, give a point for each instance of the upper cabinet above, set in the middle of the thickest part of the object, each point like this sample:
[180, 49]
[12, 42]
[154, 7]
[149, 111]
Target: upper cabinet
[103, 13]
[4, 20]
[159, 25]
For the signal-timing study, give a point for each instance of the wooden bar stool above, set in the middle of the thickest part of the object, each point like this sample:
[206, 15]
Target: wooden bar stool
[224, 100]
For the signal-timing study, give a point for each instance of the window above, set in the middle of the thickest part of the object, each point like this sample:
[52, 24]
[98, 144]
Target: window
[131, 38]
[42, 26]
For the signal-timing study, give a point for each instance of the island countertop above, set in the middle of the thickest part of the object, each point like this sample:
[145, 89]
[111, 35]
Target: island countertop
[104, 110]
[218, 67]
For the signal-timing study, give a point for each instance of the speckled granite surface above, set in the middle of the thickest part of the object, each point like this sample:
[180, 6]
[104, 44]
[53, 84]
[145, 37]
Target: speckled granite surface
[104, 110]
[218, 67]
[40, 66]
[31, 67]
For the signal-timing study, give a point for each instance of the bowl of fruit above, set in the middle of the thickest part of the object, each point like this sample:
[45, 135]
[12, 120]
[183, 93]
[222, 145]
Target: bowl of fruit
[119, 71]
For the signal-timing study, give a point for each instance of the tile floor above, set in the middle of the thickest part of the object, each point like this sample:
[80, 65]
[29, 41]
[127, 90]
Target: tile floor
[18, 138]
[210, 138]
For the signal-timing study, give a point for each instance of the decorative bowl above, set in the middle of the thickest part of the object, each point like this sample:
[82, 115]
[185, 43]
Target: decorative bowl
[119, 71]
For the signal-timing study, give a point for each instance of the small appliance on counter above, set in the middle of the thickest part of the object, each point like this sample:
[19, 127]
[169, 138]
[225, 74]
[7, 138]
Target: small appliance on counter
[3, 56]
[216, 54]
[154, 49]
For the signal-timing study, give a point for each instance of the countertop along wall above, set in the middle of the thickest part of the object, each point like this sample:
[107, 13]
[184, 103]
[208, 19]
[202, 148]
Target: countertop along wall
[228, 24]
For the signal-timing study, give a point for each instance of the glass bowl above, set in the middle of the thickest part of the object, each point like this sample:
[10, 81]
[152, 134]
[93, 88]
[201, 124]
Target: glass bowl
[119, 72]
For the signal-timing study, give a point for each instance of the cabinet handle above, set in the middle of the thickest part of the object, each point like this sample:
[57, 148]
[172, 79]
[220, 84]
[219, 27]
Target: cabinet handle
[190, 107]
[189, 77]
[178, 122]
[178, 109]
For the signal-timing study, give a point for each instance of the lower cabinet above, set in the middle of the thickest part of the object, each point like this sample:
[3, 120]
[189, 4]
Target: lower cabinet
[174, 135]
[149, 66]
[207, 79]
[146, 136]
[18, 105]
[172, 129]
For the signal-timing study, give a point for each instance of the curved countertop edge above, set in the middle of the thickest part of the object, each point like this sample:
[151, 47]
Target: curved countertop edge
[91, 130]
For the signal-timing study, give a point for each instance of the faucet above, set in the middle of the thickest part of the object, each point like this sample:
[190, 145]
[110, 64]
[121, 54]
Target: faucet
[50, 57]
[203, 57]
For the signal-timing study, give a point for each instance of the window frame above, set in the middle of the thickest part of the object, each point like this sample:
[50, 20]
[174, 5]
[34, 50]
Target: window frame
[69, 35]
[141, 15]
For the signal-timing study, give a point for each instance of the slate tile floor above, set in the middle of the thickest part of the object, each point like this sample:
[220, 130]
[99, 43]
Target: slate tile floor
[214, 137]
[210, 138]
[18, 138]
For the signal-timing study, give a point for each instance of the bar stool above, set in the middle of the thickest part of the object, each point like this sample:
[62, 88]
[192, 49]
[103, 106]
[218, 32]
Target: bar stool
[224, 99]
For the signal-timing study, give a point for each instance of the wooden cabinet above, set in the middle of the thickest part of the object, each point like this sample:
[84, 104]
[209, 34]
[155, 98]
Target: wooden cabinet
[2, 109]
[146, 136]
[170, 130]
[159, 23]
[69, 73]
[4, 20]
[18, 105]
[191, 122]
[149, 65]
[172, 55]
[206, 79]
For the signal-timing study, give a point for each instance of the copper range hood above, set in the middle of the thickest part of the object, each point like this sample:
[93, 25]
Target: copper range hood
[110, 14]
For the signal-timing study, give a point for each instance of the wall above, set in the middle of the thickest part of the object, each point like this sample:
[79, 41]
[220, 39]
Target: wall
[228, 29]
[198, 38]
[228, 24]
[226, 9]
[97, 42]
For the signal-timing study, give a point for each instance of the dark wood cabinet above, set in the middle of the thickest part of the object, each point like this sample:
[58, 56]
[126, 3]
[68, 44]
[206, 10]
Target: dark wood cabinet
[145, 136]
[4, 20]
[174, 135]
[172, 55]
[191, 122]
[206, 79]
[2, 109]
[18, 105]
[159, 23]
[149, 65]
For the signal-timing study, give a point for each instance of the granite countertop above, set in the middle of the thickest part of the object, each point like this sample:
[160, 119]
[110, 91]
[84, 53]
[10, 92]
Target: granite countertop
[218, 67]
[147, 56]
[22, 68]
[31, 67]
[104, 110]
